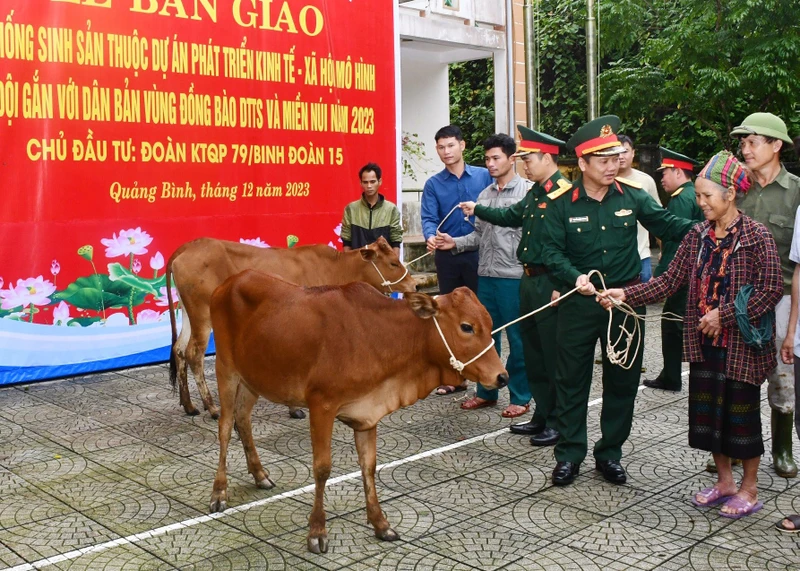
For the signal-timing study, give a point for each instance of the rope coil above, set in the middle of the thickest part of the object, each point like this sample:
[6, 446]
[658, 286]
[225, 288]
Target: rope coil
[756, 336]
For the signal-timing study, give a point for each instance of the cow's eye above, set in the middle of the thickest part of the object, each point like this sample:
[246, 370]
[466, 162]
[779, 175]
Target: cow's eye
[395, 265]
[467, 328]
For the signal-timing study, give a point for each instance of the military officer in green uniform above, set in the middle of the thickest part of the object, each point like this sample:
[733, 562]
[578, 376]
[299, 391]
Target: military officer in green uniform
[773, 200]
[593, 226]
[676, 178]
[539, 154]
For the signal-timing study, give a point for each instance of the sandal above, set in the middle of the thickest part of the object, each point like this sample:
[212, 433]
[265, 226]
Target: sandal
[515, 410]
[742, 506]
[477, 402]
[795, 521]
[712, 497]
[449, 389]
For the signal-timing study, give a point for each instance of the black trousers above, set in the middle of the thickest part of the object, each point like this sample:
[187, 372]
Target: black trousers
[456, 270]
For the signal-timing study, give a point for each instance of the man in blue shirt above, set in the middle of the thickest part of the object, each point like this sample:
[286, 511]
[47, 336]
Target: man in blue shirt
[458, 182]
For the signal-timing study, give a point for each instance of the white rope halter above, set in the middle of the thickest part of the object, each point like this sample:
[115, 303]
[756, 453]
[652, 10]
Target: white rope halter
[455, 363]
[387, 283]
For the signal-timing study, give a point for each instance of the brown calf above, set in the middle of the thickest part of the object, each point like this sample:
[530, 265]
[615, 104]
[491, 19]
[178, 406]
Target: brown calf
[345, 352]
[198, 267]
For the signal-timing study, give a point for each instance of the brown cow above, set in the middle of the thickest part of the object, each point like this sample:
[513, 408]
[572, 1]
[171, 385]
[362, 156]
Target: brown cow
[345, 352]
[198, 267]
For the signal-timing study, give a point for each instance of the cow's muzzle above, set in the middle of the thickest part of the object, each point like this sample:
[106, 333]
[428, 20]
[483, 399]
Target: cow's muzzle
[502, 380]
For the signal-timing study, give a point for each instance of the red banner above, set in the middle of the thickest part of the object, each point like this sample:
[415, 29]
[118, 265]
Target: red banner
[128, 127]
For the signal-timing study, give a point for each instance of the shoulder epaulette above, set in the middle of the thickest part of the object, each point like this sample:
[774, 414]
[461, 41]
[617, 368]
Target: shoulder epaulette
[563, 186]
[628, 182]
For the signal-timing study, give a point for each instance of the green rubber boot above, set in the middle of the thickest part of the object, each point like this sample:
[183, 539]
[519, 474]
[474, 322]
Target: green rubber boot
[782, 429]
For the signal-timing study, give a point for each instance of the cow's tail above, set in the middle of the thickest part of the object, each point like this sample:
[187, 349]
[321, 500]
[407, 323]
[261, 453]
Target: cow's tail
[173, 363]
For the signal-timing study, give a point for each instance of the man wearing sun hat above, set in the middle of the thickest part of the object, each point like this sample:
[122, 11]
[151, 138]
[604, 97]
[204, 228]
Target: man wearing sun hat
[773, 201]
[539, 154]
[676, 178]
[593, 226]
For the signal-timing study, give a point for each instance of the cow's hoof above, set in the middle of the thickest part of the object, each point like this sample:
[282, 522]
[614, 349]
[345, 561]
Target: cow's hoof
[265, 484]
[214, 413]
[318, 544]
[297, 413]
[387, 535]
[218, 504]
[191, 411]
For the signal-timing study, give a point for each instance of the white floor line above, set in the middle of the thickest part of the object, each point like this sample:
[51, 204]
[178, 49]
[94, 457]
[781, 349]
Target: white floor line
[137, 537]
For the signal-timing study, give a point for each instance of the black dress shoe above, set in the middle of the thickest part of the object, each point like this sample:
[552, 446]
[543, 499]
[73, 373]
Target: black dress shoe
[547, 437]
[658, 383]
[612, 471]
[528, 428]
[565, 473]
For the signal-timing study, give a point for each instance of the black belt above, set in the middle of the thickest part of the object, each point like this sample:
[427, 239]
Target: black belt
[533, 270]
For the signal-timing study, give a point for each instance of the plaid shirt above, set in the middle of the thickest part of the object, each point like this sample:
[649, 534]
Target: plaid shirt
[754, 261]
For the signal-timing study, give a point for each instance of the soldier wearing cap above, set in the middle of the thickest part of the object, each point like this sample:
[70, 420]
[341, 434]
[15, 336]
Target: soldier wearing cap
[539, 154]
[676, 178]
[773, 201]
[593, 226]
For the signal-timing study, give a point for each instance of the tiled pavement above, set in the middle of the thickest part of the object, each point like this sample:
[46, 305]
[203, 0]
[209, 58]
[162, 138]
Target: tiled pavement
[87, 461]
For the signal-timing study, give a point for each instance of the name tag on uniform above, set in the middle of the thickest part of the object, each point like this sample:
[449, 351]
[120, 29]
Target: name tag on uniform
[578, 219]
[623, 212]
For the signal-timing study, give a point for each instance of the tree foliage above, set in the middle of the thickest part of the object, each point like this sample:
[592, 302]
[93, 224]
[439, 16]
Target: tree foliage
[472, 104]
[681, 73]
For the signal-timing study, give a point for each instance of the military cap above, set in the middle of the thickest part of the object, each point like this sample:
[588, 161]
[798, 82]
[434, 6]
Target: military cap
[765, 124]
[673, 160]
[597, 137]
[531, 141]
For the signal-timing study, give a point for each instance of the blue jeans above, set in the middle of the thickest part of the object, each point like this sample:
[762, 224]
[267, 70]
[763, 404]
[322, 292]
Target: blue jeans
[647, 270]
[501, 298]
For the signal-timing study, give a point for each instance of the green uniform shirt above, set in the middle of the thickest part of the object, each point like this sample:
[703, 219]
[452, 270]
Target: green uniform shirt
[528, 213]
[582, 234]
[775, 206]
[683, 204]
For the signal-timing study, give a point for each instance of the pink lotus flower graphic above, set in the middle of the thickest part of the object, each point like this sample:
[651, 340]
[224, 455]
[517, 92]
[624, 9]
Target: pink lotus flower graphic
[162, 301]
[32, 291]
[55, 268]
[157, 261]
[131, 242]
[148, 316]
[257, 242]
[61, 314]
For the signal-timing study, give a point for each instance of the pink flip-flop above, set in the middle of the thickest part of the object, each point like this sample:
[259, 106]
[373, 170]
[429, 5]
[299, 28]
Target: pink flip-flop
[712, 496]
[742, 507]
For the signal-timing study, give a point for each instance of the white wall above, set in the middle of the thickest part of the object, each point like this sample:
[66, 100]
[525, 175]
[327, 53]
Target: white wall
[425, 108]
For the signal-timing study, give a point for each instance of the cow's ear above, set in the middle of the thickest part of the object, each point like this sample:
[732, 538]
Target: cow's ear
[383, 245]
[422, 304]
[368, 254]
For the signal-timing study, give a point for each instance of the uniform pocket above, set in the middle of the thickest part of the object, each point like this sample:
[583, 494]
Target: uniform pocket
[782, 228]
[579, 234]
[625, 222]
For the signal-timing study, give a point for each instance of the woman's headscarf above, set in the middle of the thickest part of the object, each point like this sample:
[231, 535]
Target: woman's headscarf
[726, 171]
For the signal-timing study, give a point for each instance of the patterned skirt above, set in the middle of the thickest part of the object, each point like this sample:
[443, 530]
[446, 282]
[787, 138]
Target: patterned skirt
[724, 415]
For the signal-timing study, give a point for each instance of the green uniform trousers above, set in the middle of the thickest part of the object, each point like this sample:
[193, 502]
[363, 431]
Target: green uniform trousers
[539, 344]
[581, 323]
[672, 340]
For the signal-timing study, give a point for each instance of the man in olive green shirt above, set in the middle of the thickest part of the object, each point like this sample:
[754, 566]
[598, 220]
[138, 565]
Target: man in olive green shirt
[773, 200]
[539, 153]
[593, 226]
[676, 178]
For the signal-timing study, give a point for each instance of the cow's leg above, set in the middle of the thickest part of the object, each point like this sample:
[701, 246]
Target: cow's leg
[245, 400]
[227, 381]
[181, 365]
[195, 354]
[321, 420]
[367, 457]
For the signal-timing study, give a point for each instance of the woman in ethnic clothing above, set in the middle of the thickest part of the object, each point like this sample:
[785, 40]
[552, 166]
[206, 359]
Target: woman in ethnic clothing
[717, 258]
